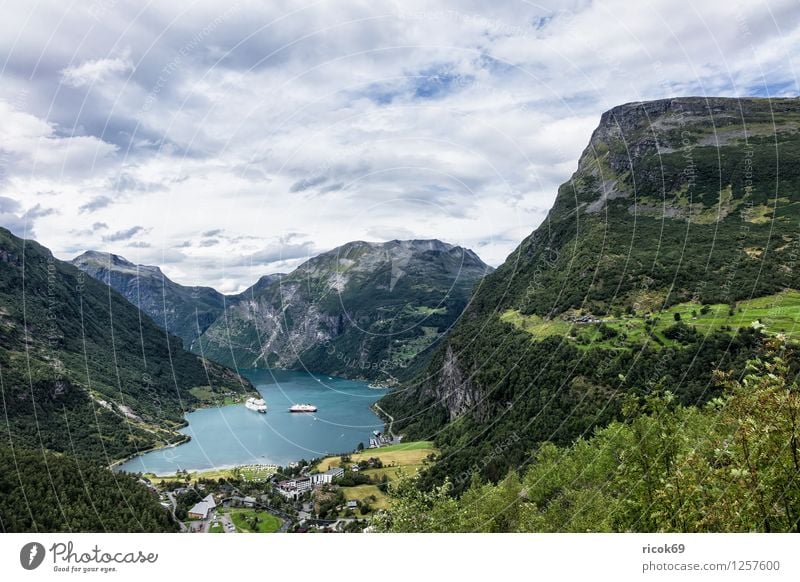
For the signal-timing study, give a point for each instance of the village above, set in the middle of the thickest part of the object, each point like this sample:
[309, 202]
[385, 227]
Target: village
[334, 494]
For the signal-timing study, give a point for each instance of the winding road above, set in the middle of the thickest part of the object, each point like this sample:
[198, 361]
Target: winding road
[387, 415]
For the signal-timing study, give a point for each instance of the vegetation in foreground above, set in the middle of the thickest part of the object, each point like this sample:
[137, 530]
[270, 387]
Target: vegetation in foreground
[731, 466]
[42, 491]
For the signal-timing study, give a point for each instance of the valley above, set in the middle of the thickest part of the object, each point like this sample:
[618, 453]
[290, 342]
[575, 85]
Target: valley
[658, 297]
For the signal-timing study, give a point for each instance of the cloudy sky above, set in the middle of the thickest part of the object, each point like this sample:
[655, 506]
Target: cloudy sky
[227, 140]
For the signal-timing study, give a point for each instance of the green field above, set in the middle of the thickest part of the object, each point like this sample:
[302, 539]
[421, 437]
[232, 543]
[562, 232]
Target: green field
[254, 521]
[254, 473]
[207, 397]
[245, 472]
[216, 527]
[774, 314]
[406, 458]
[402, 455]
[364, 492]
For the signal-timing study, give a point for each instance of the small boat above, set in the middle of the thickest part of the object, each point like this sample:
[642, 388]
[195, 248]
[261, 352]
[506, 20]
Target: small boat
[302, 408]
[256, 404]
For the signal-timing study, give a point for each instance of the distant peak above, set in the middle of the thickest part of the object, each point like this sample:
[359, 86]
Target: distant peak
[113, 262]
[410, 244]
[102, 257]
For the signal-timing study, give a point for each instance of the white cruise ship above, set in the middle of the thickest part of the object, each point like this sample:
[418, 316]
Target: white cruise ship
[303, 408]
[256, 404]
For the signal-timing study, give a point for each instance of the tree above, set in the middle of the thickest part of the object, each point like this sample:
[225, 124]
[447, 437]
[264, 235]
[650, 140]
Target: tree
[731, 466]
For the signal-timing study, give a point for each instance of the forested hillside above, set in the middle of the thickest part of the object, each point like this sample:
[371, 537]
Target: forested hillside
[729, 466]
[83, 371]
[46, 492]
[669, 255]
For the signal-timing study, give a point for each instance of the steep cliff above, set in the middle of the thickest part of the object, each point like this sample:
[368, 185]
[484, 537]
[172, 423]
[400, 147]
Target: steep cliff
[361, 310]
[183, 311]
[678, 228]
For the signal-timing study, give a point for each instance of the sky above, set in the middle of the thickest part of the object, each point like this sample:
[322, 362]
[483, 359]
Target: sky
[226, 140]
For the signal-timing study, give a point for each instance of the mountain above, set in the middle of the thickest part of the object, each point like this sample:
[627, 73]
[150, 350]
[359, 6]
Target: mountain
[669, 254]
[82, 371]
[183, 311]
[262, 283]
[361, 310]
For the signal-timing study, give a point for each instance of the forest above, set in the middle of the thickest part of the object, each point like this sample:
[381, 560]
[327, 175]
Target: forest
[731, 465]
[41, 491]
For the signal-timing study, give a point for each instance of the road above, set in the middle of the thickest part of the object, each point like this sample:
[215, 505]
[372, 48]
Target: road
[227, 524]
[387, 415]
[174, 505]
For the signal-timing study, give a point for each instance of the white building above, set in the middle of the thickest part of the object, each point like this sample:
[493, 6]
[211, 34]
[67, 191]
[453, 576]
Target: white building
[326, 477]
[294, 487]
[202, 509]
[319, 478]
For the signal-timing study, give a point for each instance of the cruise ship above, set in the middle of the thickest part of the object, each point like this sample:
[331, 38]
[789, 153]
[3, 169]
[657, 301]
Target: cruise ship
[256, 404]
[302, 408]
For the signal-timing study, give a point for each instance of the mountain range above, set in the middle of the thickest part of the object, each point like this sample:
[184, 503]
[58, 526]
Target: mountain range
[363, 310]
[185, 311]
[667, 261]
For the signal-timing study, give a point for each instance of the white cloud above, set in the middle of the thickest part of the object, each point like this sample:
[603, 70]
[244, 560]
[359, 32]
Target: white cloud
[341, 120]
[96, 71]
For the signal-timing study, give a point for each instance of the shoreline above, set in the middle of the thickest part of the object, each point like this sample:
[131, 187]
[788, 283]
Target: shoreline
[186, 438]
[114, 466]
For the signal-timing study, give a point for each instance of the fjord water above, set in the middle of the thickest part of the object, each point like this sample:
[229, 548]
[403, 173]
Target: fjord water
[234, 435]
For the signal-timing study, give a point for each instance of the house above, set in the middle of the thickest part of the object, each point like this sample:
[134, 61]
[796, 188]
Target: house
[326, 477]
[319, 479]
[202, 509]
[352, 504]
[355, 468]
[294, 487]
[236, 501]
[287, 488]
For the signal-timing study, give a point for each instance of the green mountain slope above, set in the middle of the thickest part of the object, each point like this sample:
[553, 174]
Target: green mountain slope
[675, 205]
[183, 311]
[361, 310]
[82, 371]
[731, 466]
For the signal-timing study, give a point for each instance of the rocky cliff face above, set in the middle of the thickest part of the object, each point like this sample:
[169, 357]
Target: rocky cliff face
[184, 311]
[361, 310]
[678, 200]
[455, 391]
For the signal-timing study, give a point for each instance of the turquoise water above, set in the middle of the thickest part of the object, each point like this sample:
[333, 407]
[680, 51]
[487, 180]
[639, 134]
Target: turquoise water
[233, 435]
